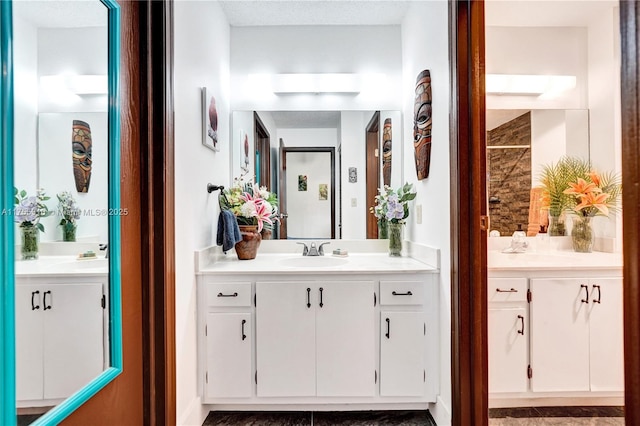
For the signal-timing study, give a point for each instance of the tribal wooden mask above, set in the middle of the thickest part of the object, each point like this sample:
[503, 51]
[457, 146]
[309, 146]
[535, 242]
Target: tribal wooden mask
[81, 152]
[422, 124]
[386, 152]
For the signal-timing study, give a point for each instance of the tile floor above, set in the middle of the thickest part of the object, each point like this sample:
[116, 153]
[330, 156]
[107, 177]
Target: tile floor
[560, 416]
[319, 418]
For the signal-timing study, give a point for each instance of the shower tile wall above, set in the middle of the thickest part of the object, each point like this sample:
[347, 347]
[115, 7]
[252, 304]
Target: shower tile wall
[509, 175]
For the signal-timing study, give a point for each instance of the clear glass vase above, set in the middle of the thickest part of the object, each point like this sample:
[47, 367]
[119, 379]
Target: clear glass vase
[69, 231]
[395, 238]
[383, 229]
[556, 226]
[29, 242]
[582, 235]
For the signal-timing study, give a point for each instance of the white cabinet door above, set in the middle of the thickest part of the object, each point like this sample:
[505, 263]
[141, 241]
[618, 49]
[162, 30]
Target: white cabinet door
[559, 335]
[285, 339]
[29, 344]
[229, 372]
[508, 349]
[73, 337]
[402, 353]
[606, 335]
[345, 339]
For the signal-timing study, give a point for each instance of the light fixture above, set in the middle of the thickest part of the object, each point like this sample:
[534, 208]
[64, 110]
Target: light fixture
[77, 84]
[528, 85]
[316, 83]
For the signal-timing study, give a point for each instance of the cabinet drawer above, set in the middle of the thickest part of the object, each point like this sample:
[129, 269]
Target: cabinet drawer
[507, 290]
[401, 292]
[229, 294]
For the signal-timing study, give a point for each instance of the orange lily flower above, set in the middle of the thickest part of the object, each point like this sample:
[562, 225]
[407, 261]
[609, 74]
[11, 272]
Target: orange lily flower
[591, 199]
[595, 178]
[582, 187]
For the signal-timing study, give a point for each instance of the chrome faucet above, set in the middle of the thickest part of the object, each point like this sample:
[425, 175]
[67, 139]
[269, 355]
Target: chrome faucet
[105, 248]
[313, 250]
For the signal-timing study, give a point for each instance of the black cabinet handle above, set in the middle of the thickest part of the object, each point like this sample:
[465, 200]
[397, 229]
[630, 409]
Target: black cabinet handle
[511, 290]
[244, 336]
[308, 297]
[33, 295]
[521, 318]
[586, 291]
[44, 300]
[228, 295]
[599, 293]
[321, 304]
[395, 293]
[388, 333]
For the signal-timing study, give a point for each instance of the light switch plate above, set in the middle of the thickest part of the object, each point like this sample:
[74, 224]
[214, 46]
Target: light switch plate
[354, 202]
[418, 214]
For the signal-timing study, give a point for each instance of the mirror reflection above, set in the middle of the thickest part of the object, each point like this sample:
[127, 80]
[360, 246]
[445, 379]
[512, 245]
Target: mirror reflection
[324, 166]
[519, 143]
[61, 195]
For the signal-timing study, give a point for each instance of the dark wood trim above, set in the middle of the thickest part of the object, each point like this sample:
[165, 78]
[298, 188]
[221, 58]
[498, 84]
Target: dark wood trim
[283, 185]
[262, 141]
[121, 401]
[630, 83]
[372, 172]
[157, 197]
[468, 204]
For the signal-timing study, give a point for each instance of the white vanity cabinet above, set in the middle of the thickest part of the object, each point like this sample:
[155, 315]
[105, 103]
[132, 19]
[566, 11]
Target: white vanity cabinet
[508, 335]
[60, 328]
[403, 331]
[579, 322]
[315, 338]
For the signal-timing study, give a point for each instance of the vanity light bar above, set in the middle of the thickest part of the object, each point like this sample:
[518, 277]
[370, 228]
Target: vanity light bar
[77, 84]
[316, 83]
[528, 85]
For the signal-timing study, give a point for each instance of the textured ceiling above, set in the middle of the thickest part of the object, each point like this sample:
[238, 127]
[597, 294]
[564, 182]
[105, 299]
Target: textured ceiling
[314, 12]
[306, 119]
[545, 13]
[61, 14]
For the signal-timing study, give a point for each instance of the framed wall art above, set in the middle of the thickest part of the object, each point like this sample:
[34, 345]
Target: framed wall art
[209, 120]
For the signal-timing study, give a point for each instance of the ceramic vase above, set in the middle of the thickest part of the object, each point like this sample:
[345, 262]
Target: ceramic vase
[266, 233]
[395, 239]
[556, 226]
[29, 242]
[247, 248]
[69, 231]
[582, 235]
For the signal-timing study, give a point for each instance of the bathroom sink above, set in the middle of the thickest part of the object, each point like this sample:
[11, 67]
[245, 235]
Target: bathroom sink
[93, 265]
[312, 262]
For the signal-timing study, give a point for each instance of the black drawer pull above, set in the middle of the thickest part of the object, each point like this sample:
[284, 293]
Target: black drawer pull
[395, 293]
[321, 304]
[308, 297]
[228, 295]
[599, 293]
[388, 333]
[44, 300]
[244, 336]
[33, 306]
[586, 291]
[521, 318]
[511, 290]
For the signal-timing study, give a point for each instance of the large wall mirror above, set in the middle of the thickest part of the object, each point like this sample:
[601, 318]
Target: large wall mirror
[61, 143]
[324, 166]
[519, 143]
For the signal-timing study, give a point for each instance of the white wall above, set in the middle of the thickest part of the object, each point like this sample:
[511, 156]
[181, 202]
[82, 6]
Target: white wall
[201, 41]
[425, 35]
[316, 49]
[353, 145]
[548, 140]
[538, 50]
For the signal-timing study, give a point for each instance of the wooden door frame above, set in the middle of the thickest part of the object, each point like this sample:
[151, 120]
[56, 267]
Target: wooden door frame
[469, 381]
[630, 83]
[263, 146]
[145, 392]
[283, 177]
[372, 166]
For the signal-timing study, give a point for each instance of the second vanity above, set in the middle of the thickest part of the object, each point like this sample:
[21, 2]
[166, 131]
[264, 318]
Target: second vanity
[555, 328]
[284, 330]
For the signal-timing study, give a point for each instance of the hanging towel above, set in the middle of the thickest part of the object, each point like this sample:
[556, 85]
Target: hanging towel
[228, 231]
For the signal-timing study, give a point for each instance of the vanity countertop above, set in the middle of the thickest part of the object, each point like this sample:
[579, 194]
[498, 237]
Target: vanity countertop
[553, 261]
[272, 263]
[54, 266]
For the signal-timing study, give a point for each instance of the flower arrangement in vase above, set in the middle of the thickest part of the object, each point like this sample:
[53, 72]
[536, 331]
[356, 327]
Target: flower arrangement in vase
[70, 213]
[392, 208]
[591, 195]
[28, 211]
[255, 209]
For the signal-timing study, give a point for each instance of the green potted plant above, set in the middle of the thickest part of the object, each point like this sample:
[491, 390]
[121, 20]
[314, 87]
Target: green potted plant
[28, 211]
[392, 206]
[70, 213]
